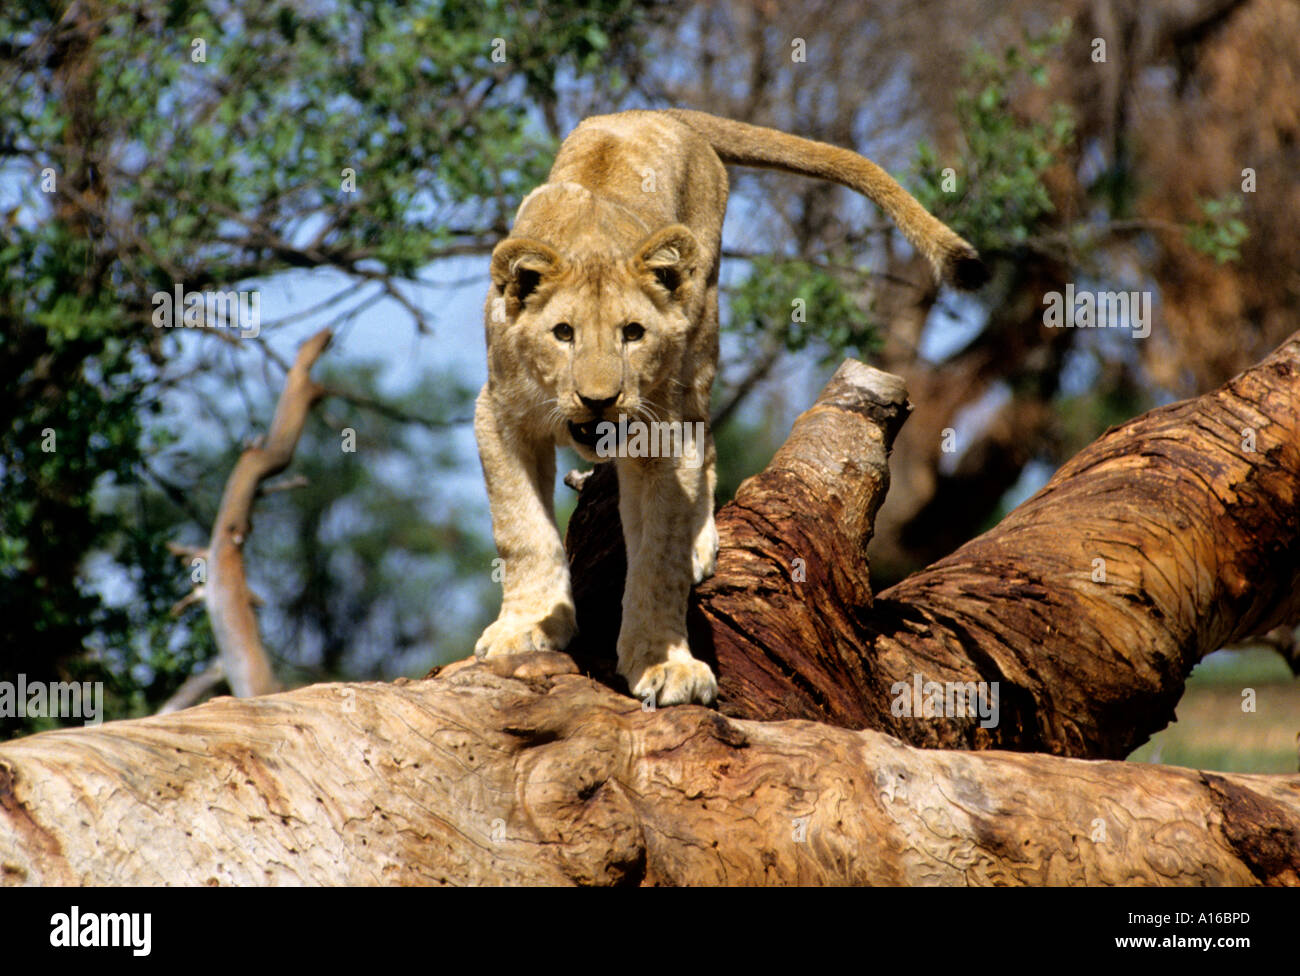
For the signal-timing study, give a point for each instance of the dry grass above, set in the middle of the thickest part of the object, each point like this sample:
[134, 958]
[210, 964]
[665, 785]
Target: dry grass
[1213, 731]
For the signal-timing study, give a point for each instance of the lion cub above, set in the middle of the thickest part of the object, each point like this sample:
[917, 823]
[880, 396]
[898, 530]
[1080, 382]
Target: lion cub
[602, 323]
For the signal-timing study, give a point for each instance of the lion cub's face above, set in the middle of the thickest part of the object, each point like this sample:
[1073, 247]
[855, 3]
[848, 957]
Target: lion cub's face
[593, 337]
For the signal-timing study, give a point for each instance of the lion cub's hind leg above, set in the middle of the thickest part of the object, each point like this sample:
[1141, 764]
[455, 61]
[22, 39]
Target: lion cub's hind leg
[704, 555]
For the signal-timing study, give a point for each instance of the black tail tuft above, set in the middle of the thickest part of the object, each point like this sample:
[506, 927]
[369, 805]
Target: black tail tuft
[966, 271]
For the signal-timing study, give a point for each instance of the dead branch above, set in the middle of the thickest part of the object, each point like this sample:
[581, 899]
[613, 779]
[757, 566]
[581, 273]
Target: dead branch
[226, 594]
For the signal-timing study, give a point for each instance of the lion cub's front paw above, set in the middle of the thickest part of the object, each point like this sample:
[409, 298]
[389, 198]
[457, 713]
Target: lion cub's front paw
[704, 556]
[675, 683]
[513, 634]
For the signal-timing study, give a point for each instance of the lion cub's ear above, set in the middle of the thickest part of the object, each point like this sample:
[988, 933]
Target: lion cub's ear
[668, 257]
[518, 267]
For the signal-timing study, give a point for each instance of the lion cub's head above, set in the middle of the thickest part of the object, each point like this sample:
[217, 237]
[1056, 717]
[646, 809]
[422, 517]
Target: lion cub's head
[590, 336]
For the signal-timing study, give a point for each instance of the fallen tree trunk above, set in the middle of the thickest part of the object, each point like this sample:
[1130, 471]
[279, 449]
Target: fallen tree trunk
[519, 770]
[1089, 605]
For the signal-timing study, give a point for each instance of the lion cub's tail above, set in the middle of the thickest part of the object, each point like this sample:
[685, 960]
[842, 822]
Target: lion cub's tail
[954, 261]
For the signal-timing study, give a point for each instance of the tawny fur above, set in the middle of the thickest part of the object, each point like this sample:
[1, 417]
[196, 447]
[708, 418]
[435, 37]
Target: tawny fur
[627, 231]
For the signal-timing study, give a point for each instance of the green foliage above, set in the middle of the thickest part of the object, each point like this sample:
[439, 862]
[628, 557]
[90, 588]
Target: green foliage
[744, 448]
[999, 199]
[1081, 416]
[803, 304]
[1220, 232]
[69, 419]
[405, 95]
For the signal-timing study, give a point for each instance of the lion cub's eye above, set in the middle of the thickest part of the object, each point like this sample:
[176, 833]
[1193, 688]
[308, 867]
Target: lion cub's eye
[563, 332]
[633, 331]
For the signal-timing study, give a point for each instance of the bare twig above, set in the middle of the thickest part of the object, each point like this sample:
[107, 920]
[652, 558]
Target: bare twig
[284, 484]
[194, 689]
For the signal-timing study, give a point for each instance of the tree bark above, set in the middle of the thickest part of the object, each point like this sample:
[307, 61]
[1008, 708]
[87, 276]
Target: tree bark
[520, 771]
[1169, 537]
[523, 770]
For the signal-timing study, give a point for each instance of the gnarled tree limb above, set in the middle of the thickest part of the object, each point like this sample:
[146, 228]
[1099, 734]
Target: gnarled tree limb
[1169, 537]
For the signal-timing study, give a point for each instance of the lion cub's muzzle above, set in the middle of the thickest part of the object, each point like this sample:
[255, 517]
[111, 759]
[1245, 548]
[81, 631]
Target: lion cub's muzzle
[586, 433]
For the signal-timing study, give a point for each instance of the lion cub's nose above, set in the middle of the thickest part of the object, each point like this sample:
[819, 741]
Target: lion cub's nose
[597, 406]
